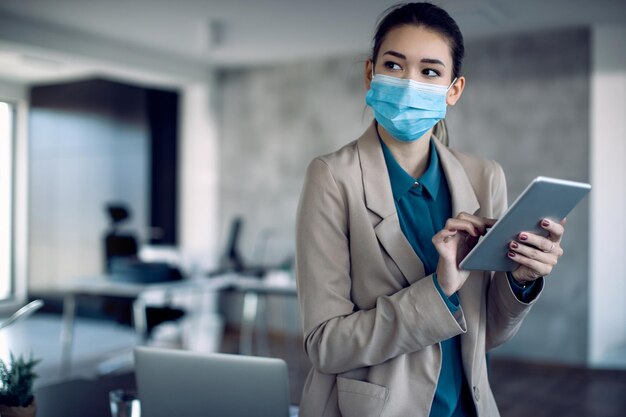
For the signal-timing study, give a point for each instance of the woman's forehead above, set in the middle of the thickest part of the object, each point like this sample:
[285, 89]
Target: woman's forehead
[417, 42]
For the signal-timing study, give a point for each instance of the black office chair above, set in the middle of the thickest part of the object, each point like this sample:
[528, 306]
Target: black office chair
[122, 264]
[120, 254]
[116, 243]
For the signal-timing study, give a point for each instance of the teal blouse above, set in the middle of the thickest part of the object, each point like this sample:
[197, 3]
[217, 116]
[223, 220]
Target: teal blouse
[423, 206]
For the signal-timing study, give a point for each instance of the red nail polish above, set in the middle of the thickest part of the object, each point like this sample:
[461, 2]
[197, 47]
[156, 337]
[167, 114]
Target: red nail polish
[545, 223]
[514, 245]
[511, 254]
[523, 236]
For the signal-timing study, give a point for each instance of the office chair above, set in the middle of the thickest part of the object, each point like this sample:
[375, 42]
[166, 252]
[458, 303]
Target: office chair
[117, 244]
[232, 261]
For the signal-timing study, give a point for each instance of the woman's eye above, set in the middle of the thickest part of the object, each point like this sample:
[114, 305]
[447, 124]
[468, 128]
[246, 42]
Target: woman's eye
[392, 66]
[429, 72]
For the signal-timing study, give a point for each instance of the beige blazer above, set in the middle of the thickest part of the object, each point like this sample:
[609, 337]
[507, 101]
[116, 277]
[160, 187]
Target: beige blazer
[372, 321]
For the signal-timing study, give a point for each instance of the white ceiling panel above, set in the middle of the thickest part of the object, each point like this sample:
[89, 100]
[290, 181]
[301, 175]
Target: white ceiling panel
[207, 33]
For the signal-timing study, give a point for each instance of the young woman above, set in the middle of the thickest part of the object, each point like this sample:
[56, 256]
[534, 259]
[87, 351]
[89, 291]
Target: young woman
[392, 326]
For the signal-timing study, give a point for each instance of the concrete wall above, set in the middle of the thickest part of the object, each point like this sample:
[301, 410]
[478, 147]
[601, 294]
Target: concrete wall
[274, 120]
[526, 105]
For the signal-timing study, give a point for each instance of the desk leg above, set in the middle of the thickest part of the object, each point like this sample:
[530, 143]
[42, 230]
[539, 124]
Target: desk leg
[140, 320]
[248, 318]
[263, 345]
[67, 334]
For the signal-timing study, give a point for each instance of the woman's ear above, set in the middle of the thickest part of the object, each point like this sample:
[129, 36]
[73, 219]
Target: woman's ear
[455, 91]
[369, 67]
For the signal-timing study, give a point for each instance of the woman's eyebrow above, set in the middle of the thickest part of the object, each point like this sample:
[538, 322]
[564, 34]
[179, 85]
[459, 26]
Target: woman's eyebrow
[423, 60]
[432, 61]
[396, 54]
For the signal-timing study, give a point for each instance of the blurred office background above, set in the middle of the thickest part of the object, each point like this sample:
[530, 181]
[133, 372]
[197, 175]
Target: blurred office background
[195, 113]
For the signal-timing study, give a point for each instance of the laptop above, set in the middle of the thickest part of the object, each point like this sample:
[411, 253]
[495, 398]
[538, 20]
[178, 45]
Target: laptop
[182, 383]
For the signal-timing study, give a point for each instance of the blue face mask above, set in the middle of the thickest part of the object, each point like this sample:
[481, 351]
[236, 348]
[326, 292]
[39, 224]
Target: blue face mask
[406, 108]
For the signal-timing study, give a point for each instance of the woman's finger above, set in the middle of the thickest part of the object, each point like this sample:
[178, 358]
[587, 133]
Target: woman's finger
[444, 235]
[464, 225]
[542, 243]
[534, 253]
[555, 229]
[481, 223]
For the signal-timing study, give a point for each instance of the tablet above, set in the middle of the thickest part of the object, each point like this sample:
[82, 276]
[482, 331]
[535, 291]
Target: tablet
[543, 198]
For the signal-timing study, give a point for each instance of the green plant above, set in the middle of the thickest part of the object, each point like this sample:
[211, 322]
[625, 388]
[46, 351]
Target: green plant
[17, 381]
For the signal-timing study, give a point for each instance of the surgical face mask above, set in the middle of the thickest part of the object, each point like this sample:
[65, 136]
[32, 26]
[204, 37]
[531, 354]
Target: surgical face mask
[406, 108]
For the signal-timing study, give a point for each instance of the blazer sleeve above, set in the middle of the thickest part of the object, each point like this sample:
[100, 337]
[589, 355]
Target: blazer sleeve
[337, 336]
[505, 311]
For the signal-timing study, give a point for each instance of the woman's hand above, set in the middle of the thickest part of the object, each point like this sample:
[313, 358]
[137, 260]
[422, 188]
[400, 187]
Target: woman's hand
[453, 243]
[537, 255]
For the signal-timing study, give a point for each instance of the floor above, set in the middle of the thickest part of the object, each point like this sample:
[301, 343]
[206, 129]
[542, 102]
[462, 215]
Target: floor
[543, 390]
[95, 341]
[520, 388]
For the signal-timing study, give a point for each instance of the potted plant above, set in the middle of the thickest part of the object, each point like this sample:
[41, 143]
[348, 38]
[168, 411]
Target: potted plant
[16, 387]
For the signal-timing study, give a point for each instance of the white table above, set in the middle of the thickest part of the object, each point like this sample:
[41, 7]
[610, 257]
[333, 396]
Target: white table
[103, 286]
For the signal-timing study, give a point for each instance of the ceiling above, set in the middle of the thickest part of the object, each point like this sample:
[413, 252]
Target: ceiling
[41, 39]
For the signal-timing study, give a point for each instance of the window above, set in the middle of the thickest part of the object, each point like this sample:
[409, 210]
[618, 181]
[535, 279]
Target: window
[7, 142]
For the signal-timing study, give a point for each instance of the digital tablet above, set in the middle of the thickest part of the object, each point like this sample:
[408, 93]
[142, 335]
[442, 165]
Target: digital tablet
[543, 198]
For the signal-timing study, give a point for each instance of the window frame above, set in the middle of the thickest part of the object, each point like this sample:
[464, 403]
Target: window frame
[19, 207]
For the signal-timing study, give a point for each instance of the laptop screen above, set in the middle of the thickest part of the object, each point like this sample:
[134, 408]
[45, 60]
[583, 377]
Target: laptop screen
[174, 382]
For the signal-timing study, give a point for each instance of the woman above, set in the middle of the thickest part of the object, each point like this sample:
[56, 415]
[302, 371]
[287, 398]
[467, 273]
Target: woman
[392, 326]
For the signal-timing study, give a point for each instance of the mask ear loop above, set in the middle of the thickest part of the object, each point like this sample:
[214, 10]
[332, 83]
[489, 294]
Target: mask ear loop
[451, 84]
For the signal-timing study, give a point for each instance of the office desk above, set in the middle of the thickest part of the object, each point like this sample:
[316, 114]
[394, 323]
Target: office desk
[104, 286]
[86, 397]
[80, 397]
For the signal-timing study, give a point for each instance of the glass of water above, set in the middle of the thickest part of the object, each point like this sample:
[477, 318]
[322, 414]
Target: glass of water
[124, 403]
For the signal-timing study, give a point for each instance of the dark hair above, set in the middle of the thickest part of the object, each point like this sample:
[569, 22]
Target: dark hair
[429, 16]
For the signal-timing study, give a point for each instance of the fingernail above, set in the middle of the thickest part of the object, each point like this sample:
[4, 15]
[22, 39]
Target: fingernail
[511, 254]
[523, 236]
[514, 245]
[545, 223]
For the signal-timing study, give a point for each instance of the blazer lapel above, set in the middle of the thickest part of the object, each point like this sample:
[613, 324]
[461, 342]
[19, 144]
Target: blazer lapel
[461, 190]
[376, 183]
[398, 247]
[379, 199]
